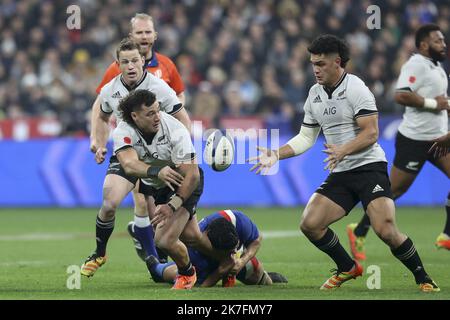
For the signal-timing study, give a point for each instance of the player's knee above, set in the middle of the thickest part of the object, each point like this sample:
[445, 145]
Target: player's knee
[108, 209]
[308, 226]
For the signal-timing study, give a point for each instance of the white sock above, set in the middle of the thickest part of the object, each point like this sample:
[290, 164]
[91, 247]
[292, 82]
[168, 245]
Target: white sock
[141, 222]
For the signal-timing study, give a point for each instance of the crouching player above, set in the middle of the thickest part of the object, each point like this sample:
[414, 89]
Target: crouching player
[236, 239]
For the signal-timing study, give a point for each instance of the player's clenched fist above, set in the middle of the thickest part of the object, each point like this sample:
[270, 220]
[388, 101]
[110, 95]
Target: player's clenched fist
[100, 155]
[93, 147]
[265, 160]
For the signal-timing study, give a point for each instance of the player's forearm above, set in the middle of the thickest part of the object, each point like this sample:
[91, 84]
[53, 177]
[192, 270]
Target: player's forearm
[100, 134]
[410, 99]
[221, 271]
[190, 182]
[299, 144]
[251, 250]
[135, 168]
[365, 138]
[99, 125]
[285, 152]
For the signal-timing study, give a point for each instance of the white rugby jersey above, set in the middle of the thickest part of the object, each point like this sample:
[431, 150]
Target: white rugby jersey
[116, 89]
[170, 146]
[422, 76]
[336, 112]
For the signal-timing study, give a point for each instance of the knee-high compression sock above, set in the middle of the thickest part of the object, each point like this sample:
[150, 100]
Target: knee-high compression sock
[103, 230]
[408, 255]
[330, 244]
[363, 226]
[144, 233]
[447, 223]
[186, 270]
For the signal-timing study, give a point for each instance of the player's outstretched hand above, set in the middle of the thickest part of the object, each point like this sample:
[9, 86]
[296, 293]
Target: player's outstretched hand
[441, 146]
[100, 155]
[265, 160]
[162, 212]
[170, 177]
[335, 154]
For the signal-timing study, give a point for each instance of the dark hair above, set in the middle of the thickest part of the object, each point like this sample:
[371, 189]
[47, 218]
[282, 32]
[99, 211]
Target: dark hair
[134, 102]
[328, 43]
[222, 234]
[424, 31]
[127, 44]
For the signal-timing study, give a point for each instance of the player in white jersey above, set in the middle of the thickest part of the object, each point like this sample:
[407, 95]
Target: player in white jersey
[345, 109]
[422, 89]
[157, 148]
[117, 183]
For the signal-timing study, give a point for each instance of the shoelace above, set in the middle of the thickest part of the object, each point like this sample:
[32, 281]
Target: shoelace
[335, 272]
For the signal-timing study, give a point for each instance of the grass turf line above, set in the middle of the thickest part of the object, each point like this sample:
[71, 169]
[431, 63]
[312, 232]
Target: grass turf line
[33, 266]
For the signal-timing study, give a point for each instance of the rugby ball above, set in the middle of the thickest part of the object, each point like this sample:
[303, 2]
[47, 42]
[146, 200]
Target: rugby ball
[219, 151]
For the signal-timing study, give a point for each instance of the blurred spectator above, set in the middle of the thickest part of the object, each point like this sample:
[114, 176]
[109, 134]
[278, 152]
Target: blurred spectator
[236, 57]
[206, 104]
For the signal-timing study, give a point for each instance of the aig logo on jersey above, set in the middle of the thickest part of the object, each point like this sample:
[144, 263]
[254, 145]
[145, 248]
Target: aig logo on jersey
[330, 110]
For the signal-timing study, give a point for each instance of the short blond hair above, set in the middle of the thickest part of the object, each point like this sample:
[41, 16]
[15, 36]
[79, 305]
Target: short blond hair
[140, 16]
[127, 44]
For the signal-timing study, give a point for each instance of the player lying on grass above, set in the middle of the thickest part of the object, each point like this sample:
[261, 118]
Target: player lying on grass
[232, 234]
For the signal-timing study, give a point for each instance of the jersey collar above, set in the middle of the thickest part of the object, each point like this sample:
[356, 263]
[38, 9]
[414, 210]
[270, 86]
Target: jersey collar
[436, 63]
[137, 84]
[330, 90]
[148, 138]
[153, 62]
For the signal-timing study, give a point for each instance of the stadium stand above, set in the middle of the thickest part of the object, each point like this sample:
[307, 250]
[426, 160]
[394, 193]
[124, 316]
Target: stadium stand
[237, 58]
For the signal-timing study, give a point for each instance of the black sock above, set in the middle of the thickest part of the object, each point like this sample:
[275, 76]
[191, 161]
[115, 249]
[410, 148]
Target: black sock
[162, 255]
[187, 270]
[331, 246]
[103, 231]
[363, 226]
[447, 223]
[408, 255]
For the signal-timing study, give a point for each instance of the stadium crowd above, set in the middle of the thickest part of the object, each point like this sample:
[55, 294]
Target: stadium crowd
[236, 57]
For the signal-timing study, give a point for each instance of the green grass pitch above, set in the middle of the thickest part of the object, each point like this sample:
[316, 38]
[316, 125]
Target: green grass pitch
[38, 245]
